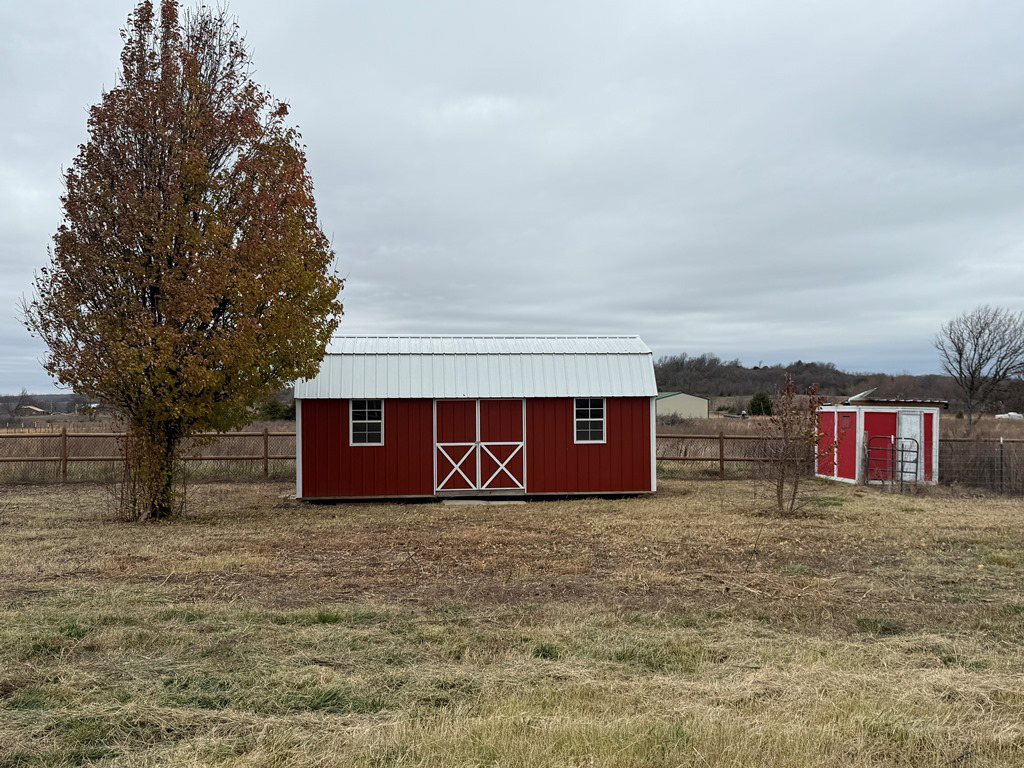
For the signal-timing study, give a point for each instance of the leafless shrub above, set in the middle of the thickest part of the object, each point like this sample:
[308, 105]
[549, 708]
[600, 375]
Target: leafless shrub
[789, 448]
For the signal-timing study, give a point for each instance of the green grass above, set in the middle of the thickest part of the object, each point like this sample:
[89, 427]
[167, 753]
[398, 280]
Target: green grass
[635, 689]
[548, 651]
[1007, 558]
[797, 569]
[348, 616]
[878, 626]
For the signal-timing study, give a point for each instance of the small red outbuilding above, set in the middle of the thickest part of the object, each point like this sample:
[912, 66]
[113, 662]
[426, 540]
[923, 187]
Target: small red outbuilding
[877, 440]
[422, 416]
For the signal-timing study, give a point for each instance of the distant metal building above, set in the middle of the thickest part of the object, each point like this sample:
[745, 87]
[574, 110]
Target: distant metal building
[878, 440]
[421, 416]
[682, 405]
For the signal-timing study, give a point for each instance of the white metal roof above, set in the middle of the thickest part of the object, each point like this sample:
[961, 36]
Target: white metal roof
[481, 367]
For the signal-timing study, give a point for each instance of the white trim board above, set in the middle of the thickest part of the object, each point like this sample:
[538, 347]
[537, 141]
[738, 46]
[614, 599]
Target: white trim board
[298, 449]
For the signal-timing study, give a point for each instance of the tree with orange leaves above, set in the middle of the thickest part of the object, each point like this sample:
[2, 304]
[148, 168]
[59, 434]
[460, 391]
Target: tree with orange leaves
[190, 277]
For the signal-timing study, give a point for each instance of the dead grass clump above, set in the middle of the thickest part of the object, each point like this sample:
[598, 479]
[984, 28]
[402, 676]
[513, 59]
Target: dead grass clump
[550, 688]
[677, 630]
[881, 627]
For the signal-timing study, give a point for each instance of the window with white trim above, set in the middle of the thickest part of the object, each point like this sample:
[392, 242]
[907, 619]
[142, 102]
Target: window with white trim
[589, 420]
[366, 422]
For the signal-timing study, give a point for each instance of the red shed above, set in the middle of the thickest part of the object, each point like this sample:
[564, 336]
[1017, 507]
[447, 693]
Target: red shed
[421, 416]
[877, 440]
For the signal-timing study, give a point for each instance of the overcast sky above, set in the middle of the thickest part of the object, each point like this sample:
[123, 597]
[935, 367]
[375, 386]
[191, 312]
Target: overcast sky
[771, 180]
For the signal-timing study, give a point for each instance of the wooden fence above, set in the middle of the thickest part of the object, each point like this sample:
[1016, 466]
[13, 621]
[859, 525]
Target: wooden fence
[718, 456]
[710, 454]
[63, 456]
[66, 456]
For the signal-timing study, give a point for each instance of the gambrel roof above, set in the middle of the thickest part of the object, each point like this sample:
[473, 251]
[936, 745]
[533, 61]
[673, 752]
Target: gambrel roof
[482, 367]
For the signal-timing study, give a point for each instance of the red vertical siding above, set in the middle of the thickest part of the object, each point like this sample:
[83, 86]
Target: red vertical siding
[846, 446]
[556, 464]
[501, 421]
[456, 423]
[324, 429]
[403, 466]
[878, 424]
[826, 443]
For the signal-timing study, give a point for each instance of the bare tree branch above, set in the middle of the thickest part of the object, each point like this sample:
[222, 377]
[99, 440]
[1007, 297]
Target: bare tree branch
[982, 350]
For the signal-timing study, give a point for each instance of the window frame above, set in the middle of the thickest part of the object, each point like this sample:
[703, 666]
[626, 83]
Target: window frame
[352, 421]
[576, 419]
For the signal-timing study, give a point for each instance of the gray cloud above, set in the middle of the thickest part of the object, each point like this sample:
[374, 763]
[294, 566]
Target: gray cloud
[766, 181]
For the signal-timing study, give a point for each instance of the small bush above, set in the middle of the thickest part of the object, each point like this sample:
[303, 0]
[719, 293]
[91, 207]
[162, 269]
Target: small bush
[275, 410]
[760, 405]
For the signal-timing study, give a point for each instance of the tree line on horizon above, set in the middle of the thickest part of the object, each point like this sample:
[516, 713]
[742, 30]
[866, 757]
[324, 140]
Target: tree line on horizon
[709, 376]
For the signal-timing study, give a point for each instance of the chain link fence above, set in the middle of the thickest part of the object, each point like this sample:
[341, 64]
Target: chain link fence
[97, 457]
[699, 457]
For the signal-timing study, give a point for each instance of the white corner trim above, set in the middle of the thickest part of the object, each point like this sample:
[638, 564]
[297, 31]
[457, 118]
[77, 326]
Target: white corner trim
[298, 449]
[654, 444]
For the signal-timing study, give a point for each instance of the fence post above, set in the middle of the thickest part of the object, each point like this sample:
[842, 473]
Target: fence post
[266, 453]
[721, 455]
[63, 454]
[1002, 467]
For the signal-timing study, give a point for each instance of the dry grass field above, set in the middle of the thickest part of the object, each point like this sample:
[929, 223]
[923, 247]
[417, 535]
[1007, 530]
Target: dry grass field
[676, 630]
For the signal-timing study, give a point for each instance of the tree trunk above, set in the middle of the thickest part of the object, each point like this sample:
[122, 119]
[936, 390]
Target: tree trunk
[795, 489]
[162, 502]
[780, 489]
[150, 463]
